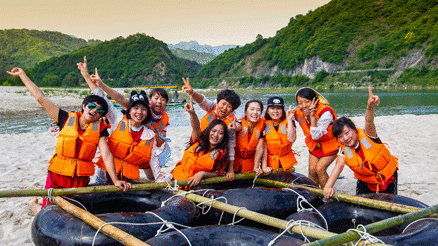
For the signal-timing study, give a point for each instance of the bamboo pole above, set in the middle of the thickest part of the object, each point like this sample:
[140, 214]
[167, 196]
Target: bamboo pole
[389, 206]
[262, 218]
[377, 226]
[112, 188]
[109, 230]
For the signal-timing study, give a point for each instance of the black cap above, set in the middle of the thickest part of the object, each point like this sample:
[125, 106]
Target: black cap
[276, 101]
[138, 98]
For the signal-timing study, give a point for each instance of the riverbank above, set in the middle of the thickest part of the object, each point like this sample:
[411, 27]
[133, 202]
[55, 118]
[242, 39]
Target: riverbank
[411, 138]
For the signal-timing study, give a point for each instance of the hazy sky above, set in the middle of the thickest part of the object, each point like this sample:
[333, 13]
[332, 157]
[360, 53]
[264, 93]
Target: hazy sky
[213, 22]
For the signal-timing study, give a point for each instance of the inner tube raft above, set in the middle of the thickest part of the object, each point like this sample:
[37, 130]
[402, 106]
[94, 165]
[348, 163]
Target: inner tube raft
[222, 235]
[54, 226]
[278, 203]
[341, 216]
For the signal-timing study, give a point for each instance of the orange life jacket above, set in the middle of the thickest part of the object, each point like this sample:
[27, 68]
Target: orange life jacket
[192, 163]
[162, 123]
[209, 117]
[128, 155]
[246, 147]
[379, 165]
[279, 148]
[328, 143]
[74, 151]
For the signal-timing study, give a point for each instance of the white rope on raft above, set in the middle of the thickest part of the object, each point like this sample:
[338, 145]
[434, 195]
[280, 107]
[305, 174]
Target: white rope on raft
[293, 223]
[413, 222]
[170, 225]
[306, 185]
[365, 236]
[75, 201]
[49, 195]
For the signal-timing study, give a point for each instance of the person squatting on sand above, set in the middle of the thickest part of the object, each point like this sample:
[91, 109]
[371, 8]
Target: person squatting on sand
[206, 155]
[363, 151]
[249, 138]
[227, 101]
[280, 134]
[316, 118]
[80, 135]
[132, 144]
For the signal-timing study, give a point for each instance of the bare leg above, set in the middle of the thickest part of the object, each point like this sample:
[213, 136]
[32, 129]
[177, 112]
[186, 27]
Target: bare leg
[34, 205]
[149, 174]
[321, 169]
[313, 161]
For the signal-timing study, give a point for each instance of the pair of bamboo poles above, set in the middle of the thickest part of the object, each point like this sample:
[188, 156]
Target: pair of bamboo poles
[327, 238]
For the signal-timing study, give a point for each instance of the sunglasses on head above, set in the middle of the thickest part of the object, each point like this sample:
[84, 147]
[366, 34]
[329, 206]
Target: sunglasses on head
[99, 110]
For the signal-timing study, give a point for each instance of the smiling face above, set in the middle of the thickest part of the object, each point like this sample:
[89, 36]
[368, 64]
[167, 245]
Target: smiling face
[275, 112]
[224, 109]
[157, 103]
[304, 105]
[253, 112]
[348, 137]
[216, 135]
[92, 111]
[138, 113]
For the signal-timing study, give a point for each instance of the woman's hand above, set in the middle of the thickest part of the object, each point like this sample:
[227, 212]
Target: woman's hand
[82, 66]
[234, 125]
[123, 185]
[187, 88]
[258, 171]
[195, 179]
[373, 101]
[290, 113]
[313, 107]
[230, 175]
[16, 71]
[95, 78]
[267, 170]
[188, 106]
[328, 192]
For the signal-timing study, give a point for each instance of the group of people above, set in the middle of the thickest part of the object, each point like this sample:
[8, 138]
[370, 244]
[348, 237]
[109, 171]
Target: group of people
[221, 144]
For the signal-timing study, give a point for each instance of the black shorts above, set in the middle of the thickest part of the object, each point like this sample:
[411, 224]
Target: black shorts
[362, 187]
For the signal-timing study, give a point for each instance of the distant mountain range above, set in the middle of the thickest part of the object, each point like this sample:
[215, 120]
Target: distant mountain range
[193, 45]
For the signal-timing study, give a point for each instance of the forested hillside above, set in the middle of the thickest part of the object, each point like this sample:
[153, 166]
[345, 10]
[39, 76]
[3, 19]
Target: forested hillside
[28, 47]
[123, 62]
[380, 42]
[199, 57]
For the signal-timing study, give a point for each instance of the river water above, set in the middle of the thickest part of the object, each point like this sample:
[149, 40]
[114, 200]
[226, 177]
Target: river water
[345, 103]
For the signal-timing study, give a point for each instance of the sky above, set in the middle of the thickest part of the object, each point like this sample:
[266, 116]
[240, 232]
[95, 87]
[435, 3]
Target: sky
[211, 22]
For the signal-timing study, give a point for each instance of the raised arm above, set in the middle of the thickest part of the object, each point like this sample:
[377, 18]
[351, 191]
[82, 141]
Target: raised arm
[119, 98]
[187, 88]
[194, 121]
[373, 101]
[82, 66]
[291, 130]
[36, 92]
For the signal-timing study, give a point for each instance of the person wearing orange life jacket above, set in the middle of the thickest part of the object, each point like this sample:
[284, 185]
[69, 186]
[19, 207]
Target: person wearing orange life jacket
[80, 135]
[280, 134]
[207, 154]
[227, 101]
[132, 143]
[362, 151]
[316, 118]
[249, 138]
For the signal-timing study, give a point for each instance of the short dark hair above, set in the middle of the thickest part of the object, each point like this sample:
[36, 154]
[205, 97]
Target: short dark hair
[96, 99]
[229, 96]
[160, 91]
[283, 115]
[338, 126]
[251, 101]
[305, 93]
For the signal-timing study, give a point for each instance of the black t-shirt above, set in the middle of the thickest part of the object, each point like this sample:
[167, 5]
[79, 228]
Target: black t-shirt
[63, 116]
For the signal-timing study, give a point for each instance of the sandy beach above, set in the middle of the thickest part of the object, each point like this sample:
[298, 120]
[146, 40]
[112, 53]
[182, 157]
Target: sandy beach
[23, 163]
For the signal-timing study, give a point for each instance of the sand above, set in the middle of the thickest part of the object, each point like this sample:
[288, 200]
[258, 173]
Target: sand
[23, 163]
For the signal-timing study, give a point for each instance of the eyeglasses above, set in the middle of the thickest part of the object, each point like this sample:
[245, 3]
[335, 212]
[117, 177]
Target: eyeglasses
[99, 110]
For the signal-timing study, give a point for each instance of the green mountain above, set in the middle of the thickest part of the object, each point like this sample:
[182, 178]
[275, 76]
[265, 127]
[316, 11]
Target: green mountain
[343, 42]
[123, 62]
[29, 47]
[199, 57]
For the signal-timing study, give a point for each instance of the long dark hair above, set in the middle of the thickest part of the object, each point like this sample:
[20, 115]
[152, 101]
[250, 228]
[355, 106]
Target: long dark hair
[305, 93]
[204, 139]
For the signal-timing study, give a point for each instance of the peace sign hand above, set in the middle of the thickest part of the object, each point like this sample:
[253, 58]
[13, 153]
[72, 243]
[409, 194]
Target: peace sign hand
[83, 66]
[95, 78]
[313, 107]
[188, 106]
[187, 88]
[373, 101]
[291, 112]
[234, 125]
